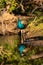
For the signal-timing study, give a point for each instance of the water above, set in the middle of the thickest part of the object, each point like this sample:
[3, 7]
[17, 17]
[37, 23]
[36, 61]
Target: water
[10, 39]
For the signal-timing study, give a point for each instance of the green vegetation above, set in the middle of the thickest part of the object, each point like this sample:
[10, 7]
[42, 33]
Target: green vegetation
[9, 53]
[2, 4]
[21, 7]
[12, 4]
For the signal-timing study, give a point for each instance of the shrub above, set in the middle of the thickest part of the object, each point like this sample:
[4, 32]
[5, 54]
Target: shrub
[12, 4]
[2, 4]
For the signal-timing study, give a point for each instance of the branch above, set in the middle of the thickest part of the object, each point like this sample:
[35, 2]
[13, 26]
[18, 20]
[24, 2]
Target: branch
[21, 1]
[34, 9]
[22, 7]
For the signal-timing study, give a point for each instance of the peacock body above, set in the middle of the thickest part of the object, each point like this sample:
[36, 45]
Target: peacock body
[20, 25]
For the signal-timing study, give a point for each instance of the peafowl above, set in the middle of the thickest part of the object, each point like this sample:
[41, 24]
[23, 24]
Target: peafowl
[20, 25]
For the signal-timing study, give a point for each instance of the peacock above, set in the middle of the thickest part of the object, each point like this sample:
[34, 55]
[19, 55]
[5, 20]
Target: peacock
[20, 24]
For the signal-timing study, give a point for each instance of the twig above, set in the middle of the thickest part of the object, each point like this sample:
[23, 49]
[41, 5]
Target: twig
[34, 9]
[2, 63]
[22, 7]
[21, 1]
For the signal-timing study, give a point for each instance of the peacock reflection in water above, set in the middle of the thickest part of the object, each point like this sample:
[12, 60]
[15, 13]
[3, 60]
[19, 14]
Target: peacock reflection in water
[22, 24]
